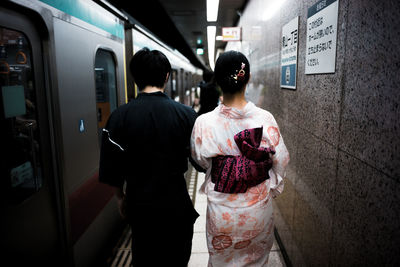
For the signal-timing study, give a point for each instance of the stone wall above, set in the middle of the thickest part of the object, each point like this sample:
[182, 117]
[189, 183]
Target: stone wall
[341, 204]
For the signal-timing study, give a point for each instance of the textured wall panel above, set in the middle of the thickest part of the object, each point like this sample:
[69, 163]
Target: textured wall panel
[340, 206]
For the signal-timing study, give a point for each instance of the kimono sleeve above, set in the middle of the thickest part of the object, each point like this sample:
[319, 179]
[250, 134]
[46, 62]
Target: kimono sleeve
[192, 120]
[280, 158]
[196, 145]
[112, 152]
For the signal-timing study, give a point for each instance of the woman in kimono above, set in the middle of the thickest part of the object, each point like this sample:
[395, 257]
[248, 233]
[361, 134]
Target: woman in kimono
[240, 147]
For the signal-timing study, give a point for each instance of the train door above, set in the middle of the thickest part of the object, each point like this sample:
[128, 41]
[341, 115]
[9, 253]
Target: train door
[29, 211]
[106, 87]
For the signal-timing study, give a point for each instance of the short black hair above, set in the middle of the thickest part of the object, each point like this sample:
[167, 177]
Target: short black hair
[208, 75]
[149, 68]
[226, 71]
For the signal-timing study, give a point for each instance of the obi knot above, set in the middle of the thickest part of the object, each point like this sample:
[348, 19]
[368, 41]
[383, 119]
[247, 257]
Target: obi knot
[235, 174]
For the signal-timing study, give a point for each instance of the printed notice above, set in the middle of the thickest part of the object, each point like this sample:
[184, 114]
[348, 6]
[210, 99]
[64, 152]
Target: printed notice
[231, 34]
[321, 37]
[289, 47]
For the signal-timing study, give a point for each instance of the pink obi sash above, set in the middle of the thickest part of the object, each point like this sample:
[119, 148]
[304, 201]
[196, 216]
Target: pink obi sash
[234, 174]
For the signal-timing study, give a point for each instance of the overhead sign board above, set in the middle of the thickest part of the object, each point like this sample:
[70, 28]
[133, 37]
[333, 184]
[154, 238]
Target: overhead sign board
[321, 37]
[289, 48]
[231, 34]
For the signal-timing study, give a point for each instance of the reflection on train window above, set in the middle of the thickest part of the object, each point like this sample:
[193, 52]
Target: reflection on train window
[174, 90]
[106, 87]
[20, 147]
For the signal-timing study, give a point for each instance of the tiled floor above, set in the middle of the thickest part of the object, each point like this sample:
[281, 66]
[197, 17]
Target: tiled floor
[199, 256]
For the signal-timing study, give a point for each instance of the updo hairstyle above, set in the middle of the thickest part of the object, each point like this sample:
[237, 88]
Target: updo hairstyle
[232, 72]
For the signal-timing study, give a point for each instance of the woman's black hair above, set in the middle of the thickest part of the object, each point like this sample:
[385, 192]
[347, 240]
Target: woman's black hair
[208, 75]
[232, 72]
[149, 68]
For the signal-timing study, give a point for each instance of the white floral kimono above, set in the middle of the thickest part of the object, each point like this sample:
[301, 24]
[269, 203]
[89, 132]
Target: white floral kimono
[239, 226]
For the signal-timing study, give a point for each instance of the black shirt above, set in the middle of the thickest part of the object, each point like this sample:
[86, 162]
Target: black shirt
[147, 144]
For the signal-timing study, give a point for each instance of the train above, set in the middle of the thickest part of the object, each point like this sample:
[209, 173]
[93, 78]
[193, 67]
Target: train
[63, 70]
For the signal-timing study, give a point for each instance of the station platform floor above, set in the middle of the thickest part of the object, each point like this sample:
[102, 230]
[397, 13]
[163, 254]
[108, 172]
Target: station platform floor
[122, 252]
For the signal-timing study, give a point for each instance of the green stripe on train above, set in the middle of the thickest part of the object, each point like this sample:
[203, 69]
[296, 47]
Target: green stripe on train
[84, 11]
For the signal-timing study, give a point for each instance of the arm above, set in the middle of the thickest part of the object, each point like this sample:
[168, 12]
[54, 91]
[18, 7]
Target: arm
[192, 161]
[112, 158]
[280, 159]
[196, 148]
[112, 153]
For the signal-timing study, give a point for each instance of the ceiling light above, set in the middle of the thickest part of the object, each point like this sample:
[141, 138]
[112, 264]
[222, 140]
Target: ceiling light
[200, 51]
[211, 31]
[212, 10]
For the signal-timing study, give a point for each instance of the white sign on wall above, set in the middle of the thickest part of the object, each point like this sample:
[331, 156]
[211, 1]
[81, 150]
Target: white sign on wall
[321, 37]
[289, 47]
[231, 33]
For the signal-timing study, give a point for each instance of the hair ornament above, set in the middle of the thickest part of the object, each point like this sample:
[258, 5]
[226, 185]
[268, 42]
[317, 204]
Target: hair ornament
[240, 75]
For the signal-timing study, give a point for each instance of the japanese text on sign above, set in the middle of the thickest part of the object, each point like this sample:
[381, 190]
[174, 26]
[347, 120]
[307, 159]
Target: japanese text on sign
[231, 33]
[289, 54]
[321, 37]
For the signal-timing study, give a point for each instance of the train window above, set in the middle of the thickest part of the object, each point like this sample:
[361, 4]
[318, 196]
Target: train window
[168, 88]
[174, 89]
[21, 167]
[106, 87]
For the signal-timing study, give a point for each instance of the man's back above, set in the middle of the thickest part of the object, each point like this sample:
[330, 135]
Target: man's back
[154, 132]
[146, 144]
[158, 141]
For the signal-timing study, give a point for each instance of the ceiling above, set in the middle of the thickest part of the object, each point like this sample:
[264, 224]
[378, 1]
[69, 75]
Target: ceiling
[180, 23]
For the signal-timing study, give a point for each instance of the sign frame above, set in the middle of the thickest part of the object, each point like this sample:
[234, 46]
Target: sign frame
[289, 54]
[233, 37]
[321, 39]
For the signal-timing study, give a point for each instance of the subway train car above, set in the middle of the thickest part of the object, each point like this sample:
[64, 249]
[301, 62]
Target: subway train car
[63, 70]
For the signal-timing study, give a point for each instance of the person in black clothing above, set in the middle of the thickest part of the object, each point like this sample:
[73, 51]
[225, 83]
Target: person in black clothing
[209, 93]
[146, 144]
[207, 77]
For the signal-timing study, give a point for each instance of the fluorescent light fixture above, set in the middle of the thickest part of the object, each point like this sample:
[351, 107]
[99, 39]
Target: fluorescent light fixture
[219, 38]
[212, 10]
[219, 52]
[272, 9]
[211, 31]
